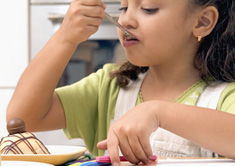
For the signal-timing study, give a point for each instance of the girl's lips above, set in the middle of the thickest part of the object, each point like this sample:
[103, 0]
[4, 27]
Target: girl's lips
[129, 43]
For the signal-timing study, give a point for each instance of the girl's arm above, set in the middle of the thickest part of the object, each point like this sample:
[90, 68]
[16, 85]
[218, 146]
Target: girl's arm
[34, 99]
[208, 128]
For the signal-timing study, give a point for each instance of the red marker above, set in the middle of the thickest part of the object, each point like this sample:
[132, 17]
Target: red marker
[106, 159]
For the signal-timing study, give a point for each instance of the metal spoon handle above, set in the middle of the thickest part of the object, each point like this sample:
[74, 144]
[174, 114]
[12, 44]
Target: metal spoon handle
[116, 23]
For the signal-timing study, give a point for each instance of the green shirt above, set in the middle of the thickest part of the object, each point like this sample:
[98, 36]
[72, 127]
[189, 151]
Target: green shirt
[89, 105]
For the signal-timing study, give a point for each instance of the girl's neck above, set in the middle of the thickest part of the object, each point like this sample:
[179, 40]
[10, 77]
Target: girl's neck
[173, 76]
[168, 84]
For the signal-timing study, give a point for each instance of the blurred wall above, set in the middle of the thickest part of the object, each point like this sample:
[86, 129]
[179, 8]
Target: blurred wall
[14, 50]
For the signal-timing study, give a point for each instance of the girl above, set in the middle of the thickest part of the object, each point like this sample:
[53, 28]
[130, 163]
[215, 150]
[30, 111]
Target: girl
[182, 53]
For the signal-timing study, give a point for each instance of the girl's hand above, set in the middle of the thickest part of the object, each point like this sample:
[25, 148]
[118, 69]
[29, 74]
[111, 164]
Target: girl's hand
[82, 20]
[131, 134]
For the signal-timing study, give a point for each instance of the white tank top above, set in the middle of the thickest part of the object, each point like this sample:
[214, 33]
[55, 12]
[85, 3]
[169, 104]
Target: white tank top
[163, 142]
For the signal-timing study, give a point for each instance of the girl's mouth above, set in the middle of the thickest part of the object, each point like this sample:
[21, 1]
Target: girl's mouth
[129, 41]
[128, 37]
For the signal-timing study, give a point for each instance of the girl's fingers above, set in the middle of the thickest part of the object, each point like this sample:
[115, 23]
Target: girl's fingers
[90, 11]
[113, 144]
[102, 145]
[89, 30]
[88, 21]
[139, 152]
[145, 144]
[82, 19]
[94, 22]
[96, 12]
[132, 137]
[126, 149]
[91, 3]
[142, 149]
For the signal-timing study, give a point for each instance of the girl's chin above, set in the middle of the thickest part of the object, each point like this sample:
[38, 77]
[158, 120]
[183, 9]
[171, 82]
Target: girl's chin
[136, 62]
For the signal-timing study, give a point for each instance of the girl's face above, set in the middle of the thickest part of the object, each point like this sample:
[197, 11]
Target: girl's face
[163, 31]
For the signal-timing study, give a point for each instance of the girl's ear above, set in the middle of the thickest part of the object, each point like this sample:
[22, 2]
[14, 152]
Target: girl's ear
[205, 22]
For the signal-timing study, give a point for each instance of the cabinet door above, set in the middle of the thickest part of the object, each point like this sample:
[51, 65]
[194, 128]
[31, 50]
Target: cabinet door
[14, 41]
[14, 48]
[5, 96]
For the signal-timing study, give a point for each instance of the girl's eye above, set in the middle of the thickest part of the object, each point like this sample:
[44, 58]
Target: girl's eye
[123, 9]
[150, 10]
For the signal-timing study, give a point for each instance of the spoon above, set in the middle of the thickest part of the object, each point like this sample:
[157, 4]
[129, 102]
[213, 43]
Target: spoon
[127, 35]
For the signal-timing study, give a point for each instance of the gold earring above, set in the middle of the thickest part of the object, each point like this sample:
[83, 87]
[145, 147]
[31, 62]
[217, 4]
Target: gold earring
[199, 38]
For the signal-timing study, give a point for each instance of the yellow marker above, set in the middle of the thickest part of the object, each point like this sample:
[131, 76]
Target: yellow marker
[81, 163]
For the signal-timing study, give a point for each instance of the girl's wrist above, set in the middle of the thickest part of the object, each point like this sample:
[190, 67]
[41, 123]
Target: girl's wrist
[61, 38]
[159, 110]
[154, 110]
[60, 49]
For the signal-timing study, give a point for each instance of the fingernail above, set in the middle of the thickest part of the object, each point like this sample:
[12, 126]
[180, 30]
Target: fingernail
[145, 162]
[137, 163]
[104, 6]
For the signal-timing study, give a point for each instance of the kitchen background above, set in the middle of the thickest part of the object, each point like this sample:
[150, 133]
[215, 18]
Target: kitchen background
[26, 26]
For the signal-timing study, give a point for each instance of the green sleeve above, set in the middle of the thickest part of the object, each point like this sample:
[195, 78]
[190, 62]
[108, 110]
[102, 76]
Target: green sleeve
[89, 106]
[227, 100]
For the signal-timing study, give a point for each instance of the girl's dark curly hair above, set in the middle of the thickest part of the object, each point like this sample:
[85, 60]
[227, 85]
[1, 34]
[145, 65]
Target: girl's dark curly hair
[216, 54]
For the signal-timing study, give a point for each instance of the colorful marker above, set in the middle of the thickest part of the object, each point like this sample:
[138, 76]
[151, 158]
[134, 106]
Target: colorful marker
[106, 159]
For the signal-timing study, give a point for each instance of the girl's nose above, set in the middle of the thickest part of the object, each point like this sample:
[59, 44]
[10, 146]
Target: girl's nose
[128, 20]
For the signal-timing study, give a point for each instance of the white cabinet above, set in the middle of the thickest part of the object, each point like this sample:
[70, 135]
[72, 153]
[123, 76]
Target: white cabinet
[5, 95]
[14, 50]
[14, 41]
